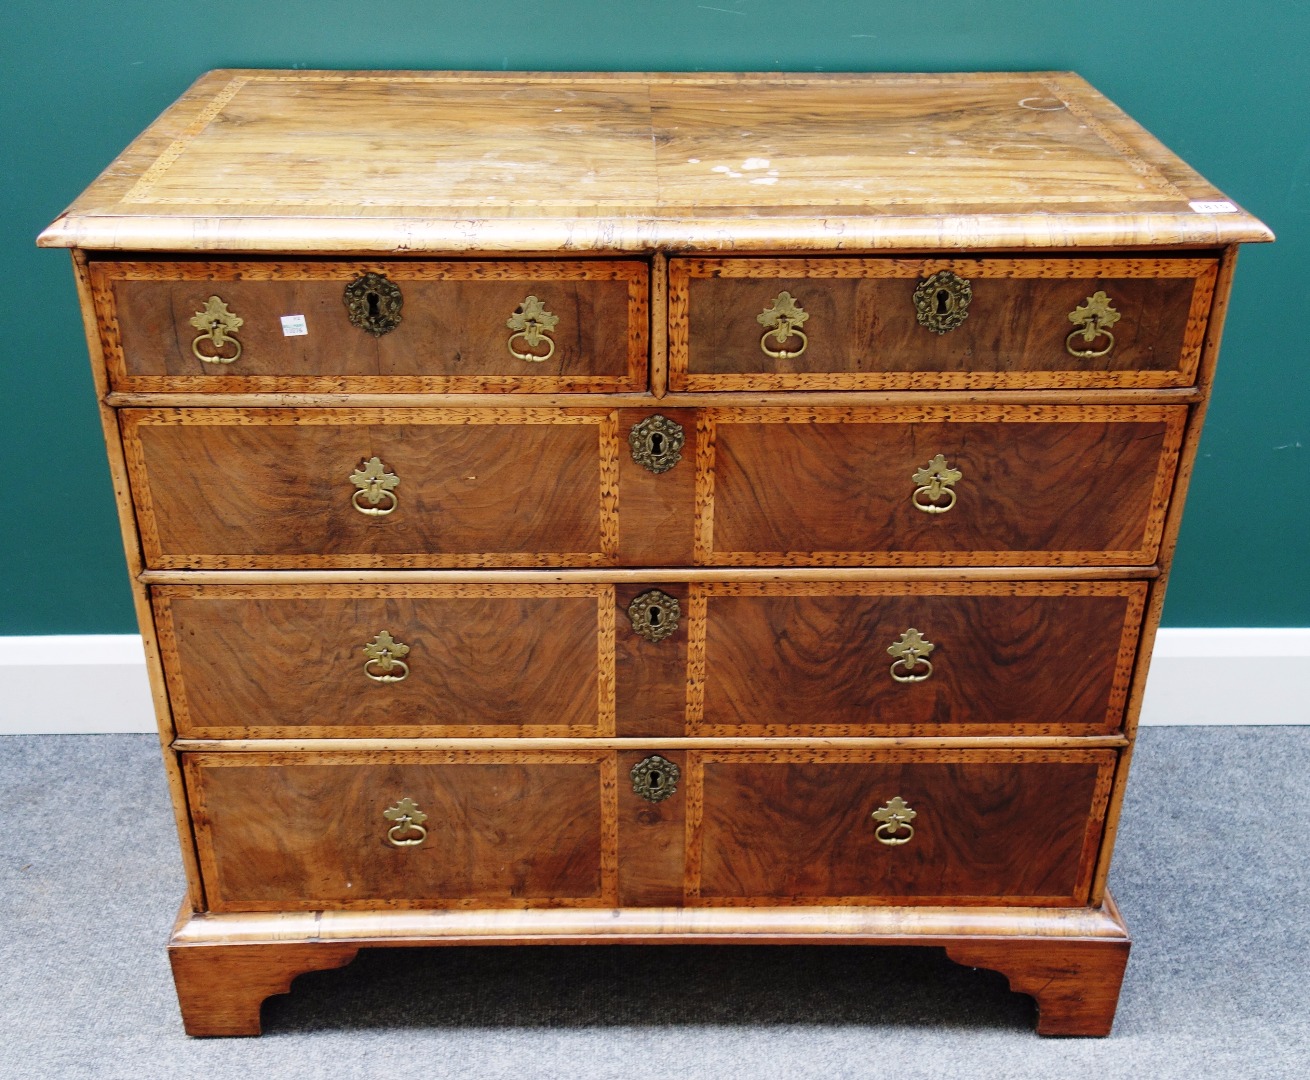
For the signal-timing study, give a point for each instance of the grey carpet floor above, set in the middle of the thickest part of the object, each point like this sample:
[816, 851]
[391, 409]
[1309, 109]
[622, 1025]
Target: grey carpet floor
[1212, 873]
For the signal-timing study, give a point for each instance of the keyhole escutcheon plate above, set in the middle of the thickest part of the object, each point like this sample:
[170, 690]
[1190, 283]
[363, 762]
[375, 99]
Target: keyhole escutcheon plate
[655, 778]
[654, 615]
[373, 303]
[657, 443]
[941, 302]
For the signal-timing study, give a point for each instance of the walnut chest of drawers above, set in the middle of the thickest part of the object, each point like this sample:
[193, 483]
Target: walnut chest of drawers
[649, 508]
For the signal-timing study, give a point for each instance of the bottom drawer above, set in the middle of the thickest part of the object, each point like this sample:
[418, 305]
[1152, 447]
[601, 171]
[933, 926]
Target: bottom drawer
[568, 828]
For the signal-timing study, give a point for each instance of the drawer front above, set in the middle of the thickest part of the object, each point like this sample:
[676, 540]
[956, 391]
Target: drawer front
[585, 331]
[275, 488]
[365, 661]
[968, 485]
[302, 831]
[872, 324]
[910, 658]
[771, 827]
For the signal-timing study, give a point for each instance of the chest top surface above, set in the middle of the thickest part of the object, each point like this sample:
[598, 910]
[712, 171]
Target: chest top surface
[413, 162]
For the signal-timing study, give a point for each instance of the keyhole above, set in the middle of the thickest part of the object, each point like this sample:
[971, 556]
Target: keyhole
[656, 444]
[942, 297]
[654, 616]
[656, 780]
[372, 299]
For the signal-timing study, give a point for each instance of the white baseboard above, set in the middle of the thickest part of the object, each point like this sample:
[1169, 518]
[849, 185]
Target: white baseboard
[96, 683]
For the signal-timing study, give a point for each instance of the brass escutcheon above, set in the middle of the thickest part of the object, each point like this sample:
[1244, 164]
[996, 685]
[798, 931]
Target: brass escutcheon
[657, 443]
[533, 323]
[654, 615]
[655, 778]
[1092, 319]
[935, 482]
[408, 829]
[941, 302]
[895, 828]
[217, 326]
[911, 650]
[384, 663]
[376, 485]
[373, 303]
[782, 320]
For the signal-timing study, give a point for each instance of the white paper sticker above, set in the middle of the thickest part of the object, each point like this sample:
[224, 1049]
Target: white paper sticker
[1223, 207]
[294, 326]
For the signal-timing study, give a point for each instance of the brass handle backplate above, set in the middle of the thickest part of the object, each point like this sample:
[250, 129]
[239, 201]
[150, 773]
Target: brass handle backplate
[657, 443]
[911, 650]
[375, 485]
[373, 303]
[218, 327]
[655, 778]
[941, 302]
[385, 663]
[782, 321]
[936, 482]
[654, 615]
[532, 323]
[895, 818]
[1092, 319]
[408, 829]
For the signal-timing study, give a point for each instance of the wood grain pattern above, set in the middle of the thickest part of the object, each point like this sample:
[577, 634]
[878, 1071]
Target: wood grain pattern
[1041, 486]
[452, 336]
[864, 334]
[651, 674]
[537, 162]
[657, 507]
[774, 827]
[485, 660]
[270, 488]
[652, 838]
[810, 659]
[288, 831]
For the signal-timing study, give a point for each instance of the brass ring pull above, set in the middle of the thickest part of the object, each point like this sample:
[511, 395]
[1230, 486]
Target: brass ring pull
[533, 323]
[935, 480]
[911, 655]
[1092, 319]
[384, 663]
[408, 829]
[782, 320]
[376, 485]
[217, 325]
[895, 818]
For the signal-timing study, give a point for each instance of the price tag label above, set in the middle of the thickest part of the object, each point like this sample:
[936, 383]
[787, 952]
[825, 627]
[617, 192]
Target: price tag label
[294, 326]
[1223, 207]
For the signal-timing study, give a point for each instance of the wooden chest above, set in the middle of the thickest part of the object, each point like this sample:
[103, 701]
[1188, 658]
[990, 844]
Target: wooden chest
[649, 508]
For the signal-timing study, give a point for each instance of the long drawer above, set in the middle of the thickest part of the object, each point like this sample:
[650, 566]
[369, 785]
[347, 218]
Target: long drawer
[332, 326]
[572, 828]
[723, 659]
[864, 486]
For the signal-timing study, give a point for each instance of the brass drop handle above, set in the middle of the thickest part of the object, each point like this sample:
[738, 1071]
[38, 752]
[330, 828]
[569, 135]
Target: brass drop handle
[373, 303]
[656, 443]
[911, 663]
[782, 321]
[895, 827]
[408, 829]
[941, 302]
[532, 323]
[385, 663]
[218, 327]
[1092, 319]
[936, 482]
[654, 615]
[376, 486]
[655, 778]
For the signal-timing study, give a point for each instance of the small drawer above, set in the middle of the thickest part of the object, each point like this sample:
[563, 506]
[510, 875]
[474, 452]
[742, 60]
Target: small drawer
[875, 324]
[432, 829]
[904, 658]
[285, 488]
[978, 485]
[775, 827]
[388, 661]
[337, 326]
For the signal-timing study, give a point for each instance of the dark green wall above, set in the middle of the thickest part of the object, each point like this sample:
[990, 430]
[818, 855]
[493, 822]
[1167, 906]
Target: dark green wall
[1224, 85]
